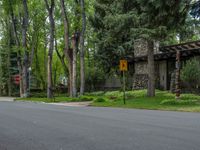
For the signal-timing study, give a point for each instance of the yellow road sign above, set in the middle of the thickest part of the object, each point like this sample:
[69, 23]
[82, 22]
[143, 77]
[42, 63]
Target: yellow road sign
[123, 65]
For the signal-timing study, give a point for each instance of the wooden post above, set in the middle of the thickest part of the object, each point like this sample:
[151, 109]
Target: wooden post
[124, 87]
[177, 83]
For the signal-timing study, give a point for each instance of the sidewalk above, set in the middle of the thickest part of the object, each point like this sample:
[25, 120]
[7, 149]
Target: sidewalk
[7, 99]
[73, 104]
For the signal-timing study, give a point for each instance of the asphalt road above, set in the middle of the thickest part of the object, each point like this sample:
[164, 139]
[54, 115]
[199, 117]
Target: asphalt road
[30, 126]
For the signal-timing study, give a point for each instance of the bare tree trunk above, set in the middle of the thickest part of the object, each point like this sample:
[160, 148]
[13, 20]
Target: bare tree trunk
[51, 47]
[24, 45]
[151, 70]
[82, 51]
[8, 58]
[9, 73]
[67, 50]
[45, 63]
[74, 65]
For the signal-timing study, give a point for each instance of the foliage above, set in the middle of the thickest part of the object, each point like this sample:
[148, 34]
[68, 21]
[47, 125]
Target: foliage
[162, 101]
[195, 10]
[85, 98]
[56, 99]
[178, 102]
[99, 100]
[109, 36]
[99, 93]
[113, 36]
[191, 72]
[188, 102]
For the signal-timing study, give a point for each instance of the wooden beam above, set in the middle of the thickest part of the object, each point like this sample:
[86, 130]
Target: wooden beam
[177, 82]
[191, 46]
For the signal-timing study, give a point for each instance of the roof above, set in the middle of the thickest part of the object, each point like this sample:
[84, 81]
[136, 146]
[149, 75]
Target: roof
[189, 49]
[181, 47]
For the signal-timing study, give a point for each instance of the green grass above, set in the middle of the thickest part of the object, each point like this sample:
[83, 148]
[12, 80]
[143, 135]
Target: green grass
[138, 99]
[134, 99]
[57, 99]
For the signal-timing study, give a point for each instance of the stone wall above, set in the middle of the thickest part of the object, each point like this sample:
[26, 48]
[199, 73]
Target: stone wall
[141, 68]
[140, 81]
[140, 47]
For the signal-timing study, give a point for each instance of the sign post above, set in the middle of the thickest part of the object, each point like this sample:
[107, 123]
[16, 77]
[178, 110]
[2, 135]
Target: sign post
[124, 67]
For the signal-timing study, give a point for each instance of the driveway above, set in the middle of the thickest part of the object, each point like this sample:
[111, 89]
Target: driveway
[6, 99]
[36, 126]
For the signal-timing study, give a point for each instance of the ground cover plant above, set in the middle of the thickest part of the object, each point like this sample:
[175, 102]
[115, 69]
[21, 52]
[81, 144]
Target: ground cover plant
[164, 100]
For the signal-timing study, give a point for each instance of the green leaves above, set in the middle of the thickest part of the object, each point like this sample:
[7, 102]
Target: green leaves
[191, 72]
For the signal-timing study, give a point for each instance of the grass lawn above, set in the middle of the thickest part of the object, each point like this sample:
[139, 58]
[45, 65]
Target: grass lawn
[138, 99]
[56, 99]
[134, 99]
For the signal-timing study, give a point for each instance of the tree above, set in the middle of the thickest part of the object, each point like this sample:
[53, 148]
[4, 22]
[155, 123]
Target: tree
[24, 45]
[67, 50]
[118, 23]
[82, 51]
[50, 8]
[195, 10]
[157, 18]
[191, 72]
[112, 22]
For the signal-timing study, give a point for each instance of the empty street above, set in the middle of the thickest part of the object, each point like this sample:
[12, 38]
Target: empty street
[36, 126]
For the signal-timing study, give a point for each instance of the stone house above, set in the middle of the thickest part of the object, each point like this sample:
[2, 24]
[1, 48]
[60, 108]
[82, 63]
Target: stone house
[165, 63]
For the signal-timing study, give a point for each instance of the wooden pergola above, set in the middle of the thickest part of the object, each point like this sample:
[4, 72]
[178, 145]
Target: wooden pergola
[188, 49]
[181, 47]
[181, 50]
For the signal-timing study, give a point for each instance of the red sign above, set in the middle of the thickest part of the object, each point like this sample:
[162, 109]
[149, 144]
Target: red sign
[16, 79]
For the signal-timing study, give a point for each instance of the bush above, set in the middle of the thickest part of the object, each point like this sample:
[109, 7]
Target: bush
[113, 97]
[99, 93]
[114, 94]
[85, 98]
[100, 100]
[191, 72]
[129, 95]
[39, 94]
[178, 102]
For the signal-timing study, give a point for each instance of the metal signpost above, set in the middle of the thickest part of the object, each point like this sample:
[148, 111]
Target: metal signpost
[124, 67]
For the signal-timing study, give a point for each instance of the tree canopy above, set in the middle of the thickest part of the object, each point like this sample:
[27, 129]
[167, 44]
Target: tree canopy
[83, 40]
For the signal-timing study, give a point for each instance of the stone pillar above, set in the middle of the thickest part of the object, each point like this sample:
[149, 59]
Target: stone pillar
[140, 79]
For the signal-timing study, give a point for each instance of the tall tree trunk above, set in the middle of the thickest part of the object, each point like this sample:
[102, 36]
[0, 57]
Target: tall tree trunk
[67, 50]
[51, 47]
[82, 51]
[74, 65]
[45, 64]
[151, 70]
[24, 45]
[8, 58]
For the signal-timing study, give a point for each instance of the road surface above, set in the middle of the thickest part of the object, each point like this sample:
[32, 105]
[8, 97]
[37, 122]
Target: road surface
[35, 126]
